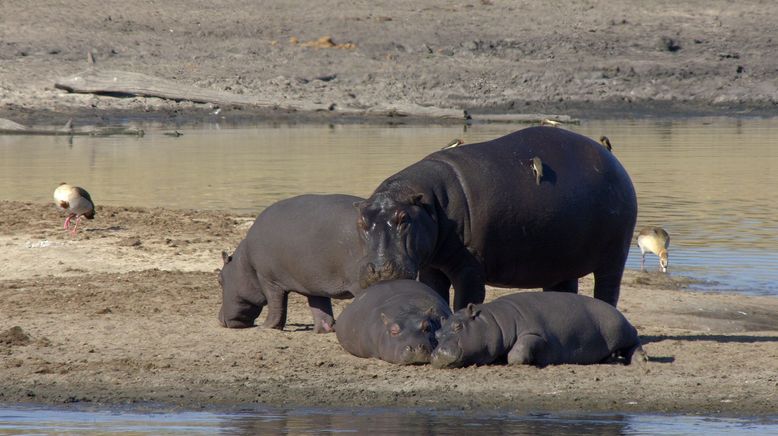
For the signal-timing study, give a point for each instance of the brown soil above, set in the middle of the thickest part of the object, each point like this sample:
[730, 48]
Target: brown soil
[125, 312]
[585, 58]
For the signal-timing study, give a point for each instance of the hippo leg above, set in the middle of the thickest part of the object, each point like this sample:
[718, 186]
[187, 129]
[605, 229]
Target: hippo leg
[468, 278]
[625, 355]
[321, 309]
[564, 286]
[607, 283]
[277, 301]
[528, 350]
[436, 280]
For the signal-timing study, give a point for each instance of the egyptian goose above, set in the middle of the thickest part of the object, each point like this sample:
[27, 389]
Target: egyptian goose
[655, 240]
[76, 202]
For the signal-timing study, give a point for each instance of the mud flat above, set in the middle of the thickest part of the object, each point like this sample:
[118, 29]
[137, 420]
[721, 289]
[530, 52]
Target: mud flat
[339, 59]
[125, 312]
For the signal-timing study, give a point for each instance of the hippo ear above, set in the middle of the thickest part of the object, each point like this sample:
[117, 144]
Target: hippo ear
[416, 199]
[385, 319]
[226, 257]
[471, 311]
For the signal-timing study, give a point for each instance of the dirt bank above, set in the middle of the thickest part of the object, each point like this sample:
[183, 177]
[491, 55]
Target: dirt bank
[125, 312]
[585, 58]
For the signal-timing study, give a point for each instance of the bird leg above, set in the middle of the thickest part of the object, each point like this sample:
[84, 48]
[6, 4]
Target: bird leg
[67, 222]
[78, 219]
[643, 262]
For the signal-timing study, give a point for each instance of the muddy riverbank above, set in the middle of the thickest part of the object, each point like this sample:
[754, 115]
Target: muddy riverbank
[583, 58]
[125, 312]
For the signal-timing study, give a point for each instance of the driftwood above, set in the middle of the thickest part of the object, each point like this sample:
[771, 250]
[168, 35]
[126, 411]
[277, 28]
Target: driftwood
[124, 83]
[8, 127]
[522, 118]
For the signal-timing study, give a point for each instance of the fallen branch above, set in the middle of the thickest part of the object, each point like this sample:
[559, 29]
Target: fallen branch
[125, 83]
[8, 127]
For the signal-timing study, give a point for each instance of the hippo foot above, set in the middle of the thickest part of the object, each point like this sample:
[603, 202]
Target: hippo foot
[324, 326]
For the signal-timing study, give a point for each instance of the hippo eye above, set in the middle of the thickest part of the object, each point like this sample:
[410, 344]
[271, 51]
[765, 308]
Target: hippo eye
[425, 326]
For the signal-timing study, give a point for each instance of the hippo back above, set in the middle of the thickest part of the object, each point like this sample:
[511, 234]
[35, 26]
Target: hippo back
[584, 206]
[308, 244]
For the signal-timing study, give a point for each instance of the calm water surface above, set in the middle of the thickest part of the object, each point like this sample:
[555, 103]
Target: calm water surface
[27, 420]
[712, 183]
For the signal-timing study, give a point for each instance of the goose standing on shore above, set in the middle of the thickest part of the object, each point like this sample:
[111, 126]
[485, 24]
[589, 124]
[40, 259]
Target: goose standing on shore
[76, 202]
[654, 240]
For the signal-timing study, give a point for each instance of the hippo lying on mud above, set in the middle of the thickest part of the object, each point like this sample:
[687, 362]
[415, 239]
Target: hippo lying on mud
[534, 328]
[306, 244]
[476, 214]
[393, 321]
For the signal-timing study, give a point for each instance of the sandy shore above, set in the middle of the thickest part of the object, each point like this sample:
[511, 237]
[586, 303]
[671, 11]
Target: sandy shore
[125, 312]
[584, 58]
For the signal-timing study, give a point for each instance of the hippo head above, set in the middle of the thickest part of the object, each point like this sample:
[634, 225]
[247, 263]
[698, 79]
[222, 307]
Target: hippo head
[242, 299]
[461, 341]
[409, 338]
[398, 232]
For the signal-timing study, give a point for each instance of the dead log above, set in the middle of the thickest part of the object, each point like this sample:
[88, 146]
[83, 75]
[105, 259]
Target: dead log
[129, 84]
[8, 127]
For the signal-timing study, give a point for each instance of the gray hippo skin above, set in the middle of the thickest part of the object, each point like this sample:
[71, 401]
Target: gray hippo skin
[306, 244]
[534, 328]
[393, 321]
[474, 215]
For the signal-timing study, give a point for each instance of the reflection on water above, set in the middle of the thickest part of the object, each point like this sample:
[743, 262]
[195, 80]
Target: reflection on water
[710, 183]
[27, 420]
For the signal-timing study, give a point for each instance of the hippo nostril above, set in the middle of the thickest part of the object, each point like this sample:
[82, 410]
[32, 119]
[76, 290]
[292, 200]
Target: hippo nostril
[408, 348]
[371, 268]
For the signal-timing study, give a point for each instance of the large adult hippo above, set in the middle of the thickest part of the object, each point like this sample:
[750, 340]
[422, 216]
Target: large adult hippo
[394, 321]
[482, 213]
[306, 244]
[535, 328]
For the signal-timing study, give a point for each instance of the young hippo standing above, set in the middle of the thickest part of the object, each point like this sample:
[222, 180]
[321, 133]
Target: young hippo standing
[534, 328]
[306, 244]
[393, 321]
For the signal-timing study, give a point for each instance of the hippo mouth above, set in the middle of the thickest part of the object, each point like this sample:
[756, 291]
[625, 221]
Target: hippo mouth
[446, 358]
[418, 355]
[239, 322]
[370, 274]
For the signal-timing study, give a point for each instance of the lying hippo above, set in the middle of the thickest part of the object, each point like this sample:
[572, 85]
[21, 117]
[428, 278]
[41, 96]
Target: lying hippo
[477, 214]
[534, 328]
[306, 244]
[394, 321]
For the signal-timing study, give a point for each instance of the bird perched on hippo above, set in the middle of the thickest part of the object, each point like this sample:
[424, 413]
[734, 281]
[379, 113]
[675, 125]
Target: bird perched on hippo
[476, 215]
[306, 244]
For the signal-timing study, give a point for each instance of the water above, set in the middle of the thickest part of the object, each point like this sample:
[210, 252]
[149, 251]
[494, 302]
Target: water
[83, 421]
[710, 182]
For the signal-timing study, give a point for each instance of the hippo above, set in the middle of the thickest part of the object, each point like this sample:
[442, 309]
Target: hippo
[536, 328]
[479, 214]
[306, 244]
[393, 321]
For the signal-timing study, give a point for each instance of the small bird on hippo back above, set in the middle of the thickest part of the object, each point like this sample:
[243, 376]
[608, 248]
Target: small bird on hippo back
[76, 202]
